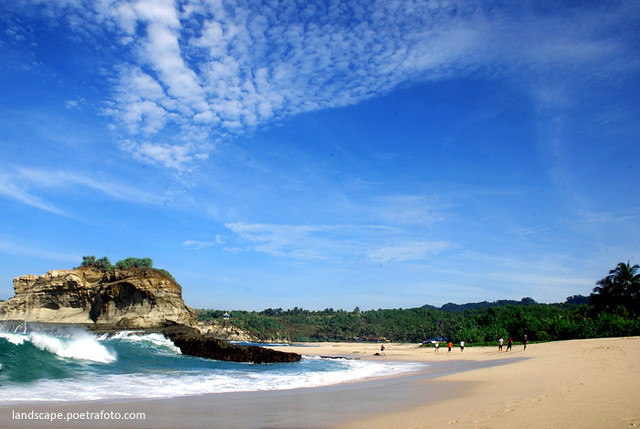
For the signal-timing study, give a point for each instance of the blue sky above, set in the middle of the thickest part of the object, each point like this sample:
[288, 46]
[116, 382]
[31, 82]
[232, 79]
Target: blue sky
[322, 153]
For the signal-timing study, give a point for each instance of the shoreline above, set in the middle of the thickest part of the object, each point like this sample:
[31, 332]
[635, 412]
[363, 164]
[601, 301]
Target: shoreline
[577, 383]
[290, 408]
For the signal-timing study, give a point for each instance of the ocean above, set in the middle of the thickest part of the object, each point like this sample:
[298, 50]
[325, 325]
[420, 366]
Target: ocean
[70, 364]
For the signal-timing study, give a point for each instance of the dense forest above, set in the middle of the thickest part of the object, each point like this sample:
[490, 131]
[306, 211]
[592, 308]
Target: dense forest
[611, 310]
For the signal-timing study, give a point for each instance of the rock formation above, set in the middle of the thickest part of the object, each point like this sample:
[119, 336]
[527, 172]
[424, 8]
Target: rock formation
[224, 331]
[135, 298]
[119, 299]
[192, 343]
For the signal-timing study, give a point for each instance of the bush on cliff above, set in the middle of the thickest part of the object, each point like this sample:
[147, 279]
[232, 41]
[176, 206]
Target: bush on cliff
[103, 264]
[134, 263]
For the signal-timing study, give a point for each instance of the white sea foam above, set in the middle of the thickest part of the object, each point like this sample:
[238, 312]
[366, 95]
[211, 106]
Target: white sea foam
[310, 373]
[80, 345]
[13, 338]
[153, 338]
[76, 345]
[150, 366]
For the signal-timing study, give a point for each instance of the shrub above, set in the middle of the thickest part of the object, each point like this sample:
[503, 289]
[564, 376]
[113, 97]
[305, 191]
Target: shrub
[134, 263]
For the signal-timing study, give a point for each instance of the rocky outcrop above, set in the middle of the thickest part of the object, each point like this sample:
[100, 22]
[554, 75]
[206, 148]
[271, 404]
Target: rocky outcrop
[119, 299]
[136, 298]
[192, 343]
[223, 330]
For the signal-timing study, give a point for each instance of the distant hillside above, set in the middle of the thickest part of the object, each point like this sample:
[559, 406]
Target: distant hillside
[612, 310]
[450, 306]
[574, 300]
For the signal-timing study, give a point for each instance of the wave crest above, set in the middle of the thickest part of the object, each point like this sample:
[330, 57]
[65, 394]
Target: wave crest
[77, 345]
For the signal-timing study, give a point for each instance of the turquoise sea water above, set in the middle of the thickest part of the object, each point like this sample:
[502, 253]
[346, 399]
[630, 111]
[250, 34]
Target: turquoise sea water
[68, 364]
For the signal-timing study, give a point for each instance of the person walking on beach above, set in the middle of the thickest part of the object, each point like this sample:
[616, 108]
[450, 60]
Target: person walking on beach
[382, 352]
[450, 344]
[461, 346]
[437, 345]
[525, 341]
[500, 342]
[509, 343]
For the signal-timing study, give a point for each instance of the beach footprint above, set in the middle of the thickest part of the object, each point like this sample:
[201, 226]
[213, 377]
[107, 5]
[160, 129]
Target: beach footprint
[634, 422]
[540, 398]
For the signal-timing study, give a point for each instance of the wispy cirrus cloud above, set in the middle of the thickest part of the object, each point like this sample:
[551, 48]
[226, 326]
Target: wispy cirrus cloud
[198, 245]
[375, 243]
[12, 248]
[408, 251]
[216, 68]
[411, 209]
[15, 190]
[25, 185]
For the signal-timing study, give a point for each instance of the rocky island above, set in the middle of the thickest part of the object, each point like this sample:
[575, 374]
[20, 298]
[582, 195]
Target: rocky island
[123, 299]
[135, 298]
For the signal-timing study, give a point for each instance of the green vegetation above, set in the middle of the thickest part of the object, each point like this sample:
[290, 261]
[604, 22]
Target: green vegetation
[134, 263]
[611, 310]
[619, 292]
[104, 264]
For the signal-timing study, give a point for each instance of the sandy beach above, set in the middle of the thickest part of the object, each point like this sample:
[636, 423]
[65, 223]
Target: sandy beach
[579, 384]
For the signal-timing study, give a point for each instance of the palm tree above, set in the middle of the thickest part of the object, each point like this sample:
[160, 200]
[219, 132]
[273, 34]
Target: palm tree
[620, 287]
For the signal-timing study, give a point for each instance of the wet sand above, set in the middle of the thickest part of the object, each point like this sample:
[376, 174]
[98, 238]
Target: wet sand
[300, 408]
[586, 383]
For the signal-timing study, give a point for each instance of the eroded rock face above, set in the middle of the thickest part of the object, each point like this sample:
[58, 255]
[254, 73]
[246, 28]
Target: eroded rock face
[192, 342]
[225, 331]
[120, 299]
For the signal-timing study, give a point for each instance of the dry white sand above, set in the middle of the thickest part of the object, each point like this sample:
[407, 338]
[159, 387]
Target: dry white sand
[576, 384]
[591, 383]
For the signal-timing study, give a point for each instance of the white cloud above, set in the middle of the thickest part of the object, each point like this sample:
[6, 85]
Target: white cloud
[11, 248]
[224, 68]
[56, 179]
[140, 102]
[198, 245]
[411, 209]
[167, 155]
[9, 188]
[70, 104]
[379, 244]
[609, 217]
[409, 251]
[21, 184]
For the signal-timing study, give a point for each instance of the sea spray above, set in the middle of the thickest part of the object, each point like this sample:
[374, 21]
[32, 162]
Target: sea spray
[155, 339]
[13, 338]
[77, 345]
[149, 366]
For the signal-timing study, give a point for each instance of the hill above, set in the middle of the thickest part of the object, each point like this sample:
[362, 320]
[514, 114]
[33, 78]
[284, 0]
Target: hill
[485, 304]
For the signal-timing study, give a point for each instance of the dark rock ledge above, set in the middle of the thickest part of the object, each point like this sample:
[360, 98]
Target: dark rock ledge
[191, 342]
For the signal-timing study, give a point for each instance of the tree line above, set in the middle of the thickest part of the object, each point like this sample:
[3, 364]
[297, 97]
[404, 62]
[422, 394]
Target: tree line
[611, 310]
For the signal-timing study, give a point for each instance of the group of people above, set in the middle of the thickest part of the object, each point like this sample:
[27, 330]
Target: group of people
[525, 340]
[450, 345]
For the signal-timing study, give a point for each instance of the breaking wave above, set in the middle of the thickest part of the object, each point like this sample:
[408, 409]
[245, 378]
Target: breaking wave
[75, 365]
